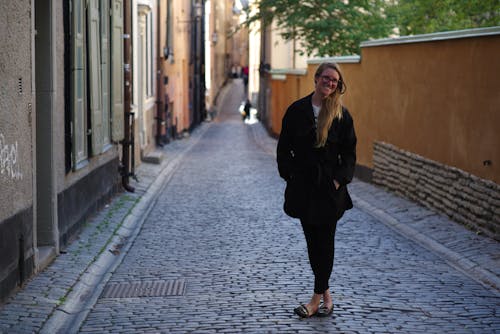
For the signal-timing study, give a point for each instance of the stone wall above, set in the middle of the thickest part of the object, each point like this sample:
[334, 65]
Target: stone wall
[16, 109]
[465, 198]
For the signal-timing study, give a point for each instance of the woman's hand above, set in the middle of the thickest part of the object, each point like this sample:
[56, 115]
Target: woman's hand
[336, 184]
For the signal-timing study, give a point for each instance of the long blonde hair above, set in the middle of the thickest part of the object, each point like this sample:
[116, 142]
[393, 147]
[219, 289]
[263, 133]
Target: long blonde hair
[331, 106]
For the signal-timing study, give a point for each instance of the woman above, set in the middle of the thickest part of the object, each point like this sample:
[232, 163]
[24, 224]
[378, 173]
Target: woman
[316, 155]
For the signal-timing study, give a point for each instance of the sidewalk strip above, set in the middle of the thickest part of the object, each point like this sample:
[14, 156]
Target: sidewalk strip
[69, 317]
[465, 266]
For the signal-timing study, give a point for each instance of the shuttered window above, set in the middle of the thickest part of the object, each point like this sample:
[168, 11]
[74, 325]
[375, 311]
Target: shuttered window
[105, 73]
[117, 94]
[79, 85]
[96, 77]
[94, 55]
[149, 54]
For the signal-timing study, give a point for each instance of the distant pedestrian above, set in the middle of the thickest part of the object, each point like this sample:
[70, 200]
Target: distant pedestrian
[245, 73]
[233, 72]
[316, 155]
[247, 109]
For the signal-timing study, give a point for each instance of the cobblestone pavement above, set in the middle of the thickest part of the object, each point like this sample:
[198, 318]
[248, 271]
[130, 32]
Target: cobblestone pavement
[216, 223]
[30, 308]
[219, 226]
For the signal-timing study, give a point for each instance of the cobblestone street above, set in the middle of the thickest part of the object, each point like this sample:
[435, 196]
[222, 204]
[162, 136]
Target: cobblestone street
[217, 225]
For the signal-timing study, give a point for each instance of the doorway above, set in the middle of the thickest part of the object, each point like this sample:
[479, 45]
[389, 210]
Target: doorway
[46, 240]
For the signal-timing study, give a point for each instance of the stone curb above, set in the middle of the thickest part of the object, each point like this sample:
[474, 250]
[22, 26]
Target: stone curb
[457, 261]
[69, 316]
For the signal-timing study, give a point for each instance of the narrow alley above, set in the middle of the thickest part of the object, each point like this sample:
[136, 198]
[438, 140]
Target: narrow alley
[218, 228]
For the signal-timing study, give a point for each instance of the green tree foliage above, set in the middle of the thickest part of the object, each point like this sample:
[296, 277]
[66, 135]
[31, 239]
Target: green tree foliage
[337, 27]
[428, 16]
[331, 27]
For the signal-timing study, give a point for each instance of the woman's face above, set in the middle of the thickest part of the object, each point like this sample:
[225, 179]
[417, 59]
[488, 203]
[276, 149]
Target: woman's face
[327, 82]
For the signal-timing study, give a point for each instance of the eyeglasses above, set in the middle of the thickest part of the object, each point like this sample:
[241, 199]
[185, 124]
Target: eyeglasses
[328, 79]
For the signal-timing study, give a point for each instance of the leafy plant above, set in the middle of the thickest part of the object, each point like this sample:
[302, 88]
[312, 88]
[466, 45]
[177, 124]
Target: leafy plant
[428, 16]
[337, 27]
[324, 27]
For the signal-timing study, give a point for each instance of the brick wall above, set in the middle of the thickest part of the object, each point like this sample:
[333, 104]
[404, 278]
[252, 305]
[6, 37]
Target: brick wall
[465, 198]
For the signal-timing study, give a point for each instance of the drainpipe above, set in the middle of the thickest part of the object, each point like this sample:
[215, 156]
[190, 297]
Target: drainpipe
[192, 68]
[126, 172]
[203, 88]
[197, 59]
[21, 265]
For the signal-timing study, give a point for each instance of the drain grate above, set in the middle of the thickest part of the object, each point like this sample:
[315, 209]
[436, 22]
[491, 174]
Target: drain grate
[144, 289]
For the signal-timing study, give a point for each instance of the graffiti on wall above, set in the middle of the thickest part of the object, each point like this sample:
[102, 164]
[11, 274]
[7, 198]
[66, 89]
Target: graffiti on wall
[9, 162]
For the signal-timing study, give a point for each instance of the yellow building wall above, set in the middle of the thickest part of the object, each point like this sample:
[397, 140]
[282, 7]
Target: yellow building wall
[176, 66]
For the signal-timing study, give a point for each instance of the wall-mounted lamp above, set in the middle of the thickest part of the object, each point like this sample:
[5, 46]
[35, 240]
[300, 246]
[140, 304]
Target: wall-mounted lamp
[168, 53]
[198, 10]
[214, 37]
[264, 68]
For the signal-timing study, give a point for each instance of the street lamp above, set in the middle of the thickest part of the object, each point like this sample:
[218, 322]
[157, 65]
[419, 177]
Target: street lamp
[198, 10]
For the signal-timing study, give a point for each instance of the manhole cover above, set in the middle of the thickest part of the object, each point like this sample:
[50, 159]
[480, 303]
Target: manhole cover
[144, 289]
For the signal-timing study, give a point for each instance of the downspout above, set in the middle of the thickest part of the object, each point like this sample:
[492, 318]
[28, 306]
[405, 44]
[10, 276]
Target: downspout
[196, 51]
[198, 58]
[203, 107]
[126, 173]
[193, 68]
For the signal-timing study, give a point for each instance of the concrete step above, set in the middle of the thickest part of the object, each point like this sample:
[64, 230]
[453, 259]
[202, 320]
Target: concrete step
[154, 157]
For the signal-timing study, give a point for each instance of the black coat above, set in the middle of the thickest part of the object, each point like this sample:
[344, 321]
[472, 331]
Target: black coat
[310, 171]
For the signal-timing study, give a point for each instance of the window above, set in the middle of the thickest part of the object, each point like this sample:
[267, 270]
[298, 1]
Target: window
[117, 91]
[79, 85]
[105, 73]
[149, 55]
[170, 27]
[96, 91]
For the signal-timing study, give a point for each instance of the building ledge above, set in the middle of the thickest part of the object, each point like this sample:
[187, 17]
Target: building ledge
[439, 36]
[285, 71]
[338, 59]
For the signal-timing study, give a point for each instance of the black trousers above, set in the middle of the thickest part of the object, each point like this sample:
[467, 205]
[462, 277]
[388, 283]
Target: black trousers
[320, 247]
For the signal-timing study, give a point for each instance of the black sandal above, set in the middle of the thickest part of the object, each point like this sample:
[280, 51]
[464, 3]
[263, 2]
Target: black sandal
[324, 311]
[302, 311]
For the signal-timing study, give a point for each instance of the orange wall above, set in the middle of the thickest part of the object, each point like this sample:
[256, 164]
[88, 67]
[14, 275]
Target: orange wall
[176, 67]
[284, 91]
[438, 99]
[280, 102]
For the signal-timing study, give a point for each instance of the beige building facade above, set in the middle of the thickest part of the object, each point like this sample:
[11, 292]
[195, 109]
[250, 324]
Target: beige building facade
[61, 121]
[89, 88]
[219, 43]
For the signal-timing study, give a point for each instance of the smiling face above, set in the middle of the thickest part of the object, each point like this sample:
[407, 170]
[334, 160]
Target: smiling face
[326, 82]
